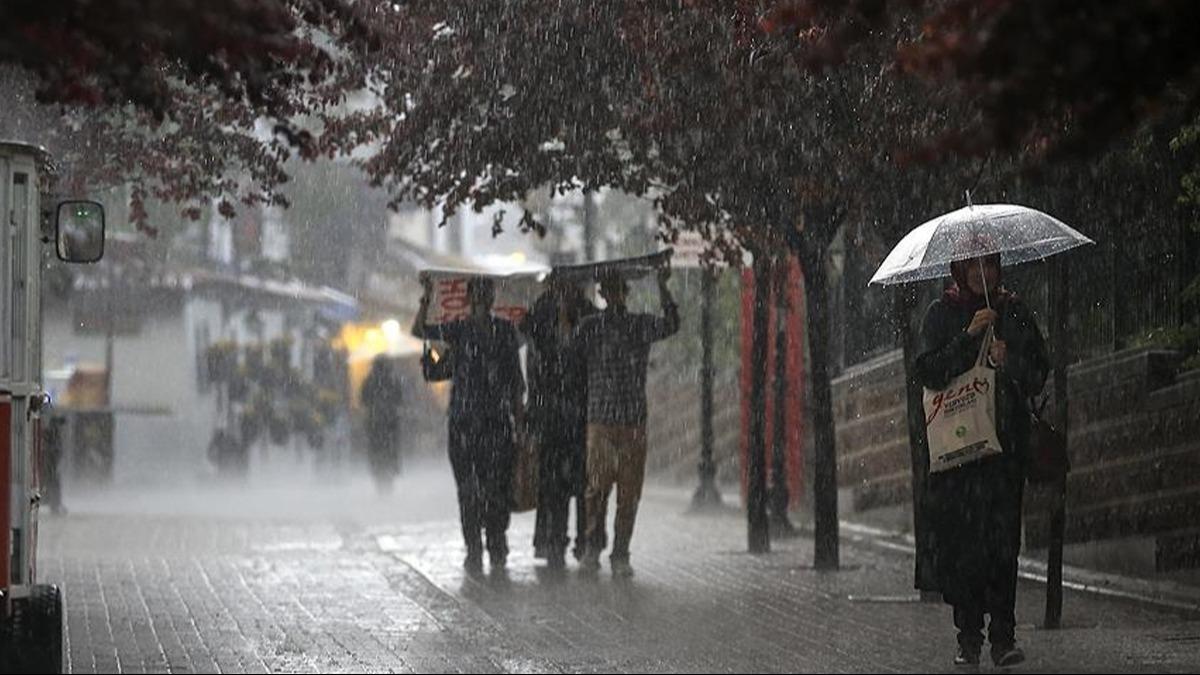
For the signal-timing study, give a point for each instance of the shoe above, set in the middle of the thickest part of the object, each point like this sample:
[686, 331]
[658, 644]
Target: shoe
[1008, 656]
[966, 657]
[621, 568]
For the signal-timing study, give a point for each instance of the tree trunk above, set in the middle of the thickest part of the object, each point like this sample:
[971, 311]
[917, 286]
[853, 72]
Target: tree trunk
[590, 235]
[758, 534]
[825, 488]
[779, 498]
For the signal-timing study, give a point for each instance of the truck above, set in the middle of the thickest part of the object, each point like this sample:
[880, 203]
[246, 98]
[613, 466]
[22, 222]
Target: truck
[31, 613]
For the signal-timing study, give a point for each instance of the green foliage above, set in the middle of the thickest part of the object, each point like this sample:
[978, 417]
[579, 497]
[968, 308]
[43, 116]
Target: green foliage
[1187, 337]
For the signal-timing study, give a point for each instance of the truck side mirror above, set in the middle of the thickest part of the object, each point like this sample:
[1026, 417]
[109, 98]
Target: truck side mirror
[79, 231]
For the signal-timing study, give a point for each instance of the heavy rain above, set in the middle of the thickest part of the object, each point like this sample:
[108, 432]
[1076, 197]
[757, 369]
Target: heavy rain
[690, 336]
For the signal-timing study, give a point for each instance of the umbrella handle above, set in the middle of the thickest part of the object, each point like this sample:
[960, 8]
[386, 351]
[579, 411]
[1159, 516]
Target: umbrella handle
[988, 337]
[983, 280]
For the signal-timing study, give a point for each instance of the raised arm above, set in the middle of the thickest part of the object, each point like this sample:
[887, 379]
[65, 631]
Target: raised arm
[421, 328]
[659, 328]
[418, 327]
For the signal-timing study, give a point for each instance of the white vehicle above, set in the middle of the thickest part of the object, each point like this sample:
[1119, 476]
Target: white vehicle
[31, 615]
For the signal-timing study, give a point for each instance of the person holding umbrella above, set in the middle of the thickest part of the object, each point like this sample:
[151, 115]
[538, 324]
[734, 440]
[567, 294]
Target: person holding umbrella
[981, 356]
[976, 507]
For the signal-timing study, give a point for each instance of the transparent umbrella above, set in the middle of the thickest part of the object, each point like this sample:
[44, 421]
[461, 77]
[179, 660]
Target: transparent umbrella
[1018, 233]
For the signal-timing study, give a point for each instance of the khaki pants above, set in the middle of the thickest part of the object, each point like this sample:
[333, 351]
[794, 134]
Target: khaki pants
[615, 454]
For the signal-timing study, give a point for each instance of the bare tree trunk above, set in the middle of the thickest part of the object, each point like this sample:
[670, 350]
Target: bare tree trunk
[590, 235]
[778, 498]
[759, 534]
[825, 488]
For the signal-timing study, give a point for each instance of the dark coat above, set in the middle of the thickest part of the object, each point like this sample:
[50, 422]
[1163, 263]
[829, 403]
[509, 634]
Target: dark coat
[487, 376]
[558, 396]
[382, 394]
[975, 510]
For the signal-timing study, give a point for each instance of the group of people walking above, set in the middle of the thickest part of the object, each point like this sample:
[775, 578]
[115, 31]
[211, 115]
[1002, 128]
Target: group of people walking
[585, 415]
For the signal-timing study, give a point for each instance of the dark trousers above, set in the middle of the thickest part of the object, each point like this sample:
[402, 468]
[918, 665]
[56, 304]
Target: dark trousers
[562, 477]
[996, 597]
[977, 525]
[481, 454]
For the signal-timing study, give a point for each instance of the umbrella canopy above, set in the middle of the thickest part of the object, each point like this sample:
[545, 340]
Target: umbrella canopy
[1018, 233]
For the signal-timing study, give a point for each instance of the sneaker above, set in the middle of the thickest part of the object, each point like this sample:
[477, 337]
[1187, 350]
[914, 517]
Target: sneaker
[1008, 656]
[621, 568]
[966, 657]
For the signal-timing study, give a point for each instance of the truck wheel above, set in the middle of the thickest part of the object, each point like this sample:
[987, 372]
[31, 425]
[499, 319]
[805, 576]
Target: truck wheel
[9, 645]
[41, 630]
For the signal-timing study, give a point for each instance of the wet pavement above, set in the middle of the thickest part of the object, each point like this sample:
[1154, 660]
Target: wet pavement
[300, 575]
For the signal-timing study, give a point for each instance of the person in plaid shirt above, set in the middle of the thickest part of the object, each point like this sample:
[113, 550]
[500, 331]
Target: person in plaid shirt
[616, 344]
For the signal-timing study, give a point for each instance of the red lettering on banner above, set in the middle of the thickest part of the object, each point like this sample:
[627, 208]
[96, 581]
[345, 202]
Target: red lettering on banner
[452, 299]
[452, 286]
[514, 313]
[453, 303]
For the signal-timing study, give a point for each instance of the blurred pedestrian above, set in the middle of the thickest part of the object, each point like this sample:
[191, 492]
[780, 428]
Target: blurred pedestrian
[381, 395]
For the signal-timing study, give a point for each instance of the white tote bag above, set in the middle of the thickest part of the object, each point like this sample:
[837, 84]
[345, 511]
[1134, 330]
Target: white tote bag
[960, 420]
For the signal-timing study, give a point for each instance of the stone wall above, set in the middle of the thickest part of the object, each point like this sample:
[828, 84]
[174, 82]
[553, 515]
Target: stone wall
[1134, 449]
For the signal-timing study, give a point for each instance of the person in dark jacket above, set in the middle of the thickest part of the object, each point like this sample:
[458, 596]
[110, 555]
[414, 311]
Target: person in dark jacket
[381, 396]
[975, 509]
[558, 416]
[486, 409]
